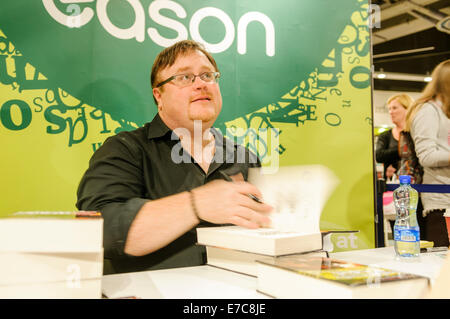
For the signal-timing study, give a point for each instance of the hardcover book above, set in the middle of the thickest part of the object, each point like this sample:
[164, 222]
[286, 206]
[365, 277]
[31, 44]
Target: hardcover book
[241, 261]
[83, 289]
[265, 241]
[51, 255]
[36, 231]
[18, 268]
[317, 277]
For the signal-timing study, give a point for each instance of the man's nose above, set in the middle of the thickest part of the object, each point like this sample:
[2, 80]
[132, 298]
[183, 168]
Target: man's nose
[198, 83]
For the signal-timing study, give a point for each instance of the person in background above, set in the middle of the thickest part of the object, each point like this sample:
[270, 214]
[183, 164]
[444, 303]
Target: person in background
[387, 143]
[428, 121]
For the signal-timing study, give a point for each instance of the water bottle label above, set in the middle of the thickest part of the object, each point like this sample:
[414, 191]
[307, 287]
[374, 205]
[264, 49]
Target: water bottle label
[406, 234]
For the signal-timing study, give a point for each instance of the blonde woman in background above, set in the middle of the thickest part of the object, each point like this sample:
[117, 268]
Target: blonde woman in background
[387, 142]
[428, 121]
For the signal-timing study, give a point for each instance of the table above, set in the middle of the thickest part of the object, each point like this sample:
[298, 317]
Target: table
[199, 282]
[207, 282]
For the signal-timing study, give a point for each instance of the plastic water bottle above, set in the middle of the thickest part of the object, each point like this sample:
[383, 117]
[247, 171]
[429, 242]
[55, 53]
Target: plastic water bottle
[406, 228]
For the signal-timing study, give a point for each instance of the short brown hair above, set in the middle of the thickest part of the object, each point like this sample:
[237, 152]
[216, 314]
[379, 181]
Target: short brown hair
[168, 56]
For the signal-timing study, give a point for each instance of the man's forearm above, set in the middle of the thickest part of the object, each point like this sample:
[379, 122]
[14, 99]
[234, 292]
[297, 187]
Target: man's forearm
[159, 222]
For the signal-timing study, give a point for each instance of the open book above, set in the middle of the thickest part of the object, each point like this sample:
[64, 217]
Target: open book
[298, 195]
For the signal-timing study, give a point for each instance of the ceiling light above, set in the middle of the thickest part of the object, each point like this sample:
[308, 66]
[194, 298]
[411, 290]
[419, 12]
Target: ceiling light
[402, 76]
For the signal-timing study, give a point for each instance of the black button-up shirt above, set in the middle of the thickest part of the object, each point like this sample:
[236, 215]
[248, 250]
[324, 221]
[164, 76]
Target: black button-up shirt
[134, 167]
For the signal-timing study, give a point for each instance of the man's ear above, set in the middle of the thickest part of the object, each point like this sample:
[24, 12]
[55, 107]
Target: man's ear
[157, 95]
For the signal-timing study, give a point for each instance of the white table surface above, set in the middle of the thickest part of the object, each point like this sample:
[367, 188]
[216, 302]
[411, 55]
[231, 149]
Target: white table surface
[207, 282]
[200, 282]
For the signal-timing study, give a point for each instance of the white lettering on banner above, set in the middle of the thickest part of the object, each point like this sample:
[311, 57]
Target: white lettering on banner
[222, 16]
[135, 31]
[80, 18]
[242, 32]
[153, 11]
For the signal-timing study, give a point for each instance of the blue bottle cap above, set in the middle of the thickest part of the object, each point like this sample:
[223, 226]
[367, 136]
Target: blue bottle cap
[405, 179]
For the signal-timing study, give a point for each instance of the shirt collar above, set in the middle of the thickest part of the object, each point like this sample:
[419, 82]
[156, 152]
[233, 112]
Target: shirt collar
[157, 128]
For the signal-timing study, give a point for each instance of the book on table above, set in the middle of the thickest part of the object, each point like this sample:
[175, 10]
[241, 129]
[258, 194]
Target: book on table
[80, 289]
[41, 231]
[265, 241]
[51, 255]
[317, 277]
[37, 267]
[297, 194]
[244, 261]
[241, 261]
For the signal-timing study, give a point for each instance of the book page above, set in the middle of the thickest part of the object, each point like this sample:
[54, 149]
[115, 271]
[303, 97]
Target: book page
[259, 232]
[298, 195]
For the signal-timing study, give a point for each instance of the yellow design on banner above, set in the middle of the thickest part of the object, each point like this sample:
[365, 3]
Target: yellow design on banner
[318, 122]
[47, 137]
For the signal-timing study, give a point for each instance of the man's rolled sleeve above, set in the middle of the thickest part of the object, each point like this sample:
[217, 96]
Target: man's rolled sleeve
[113, 185]
[118, 218]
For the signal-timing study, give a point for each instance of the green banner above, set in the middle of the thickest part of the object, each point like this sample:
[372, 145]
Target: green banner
[73, 73]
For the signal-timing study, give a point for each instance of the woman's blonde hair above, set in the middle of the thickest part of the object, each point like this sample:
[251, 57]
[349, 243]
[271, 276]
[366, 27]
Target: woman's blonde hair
[404, 99]
[438, 87]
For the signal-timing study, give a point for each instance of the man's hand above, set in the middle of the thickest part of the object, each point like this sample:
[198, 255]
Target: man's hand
[161, 221]
[222, 202]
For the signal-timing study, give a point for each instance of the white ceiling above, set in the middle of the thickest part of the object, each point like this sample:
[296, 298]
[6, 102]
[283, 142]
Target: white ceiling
[421, 18]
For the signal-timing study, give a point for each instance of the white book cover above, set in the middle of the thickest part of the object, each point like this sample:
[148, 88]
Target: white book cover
[265, 241]
[30, 267]
[51, 232]
[83, 289]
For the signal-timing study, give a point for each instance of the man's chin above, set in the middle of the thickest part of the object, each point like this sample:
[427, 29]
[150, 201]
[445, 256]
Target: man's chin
[204, 116]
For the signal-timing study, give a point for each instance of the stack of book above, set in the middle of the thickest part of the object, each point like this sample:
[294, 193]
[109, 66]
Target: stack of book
[51, 255]
[297, 195]
[236, 248]
[290, 259]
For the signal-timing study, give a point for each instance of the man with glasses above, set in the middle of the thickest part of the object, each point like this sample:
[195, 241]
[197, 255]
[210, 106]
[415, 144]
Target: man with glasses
[156, 184]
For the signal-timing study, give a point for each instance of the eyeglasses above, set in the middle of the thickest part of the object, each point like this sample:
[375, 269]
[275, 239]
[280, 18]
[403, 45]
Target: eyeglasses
[183, 80]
